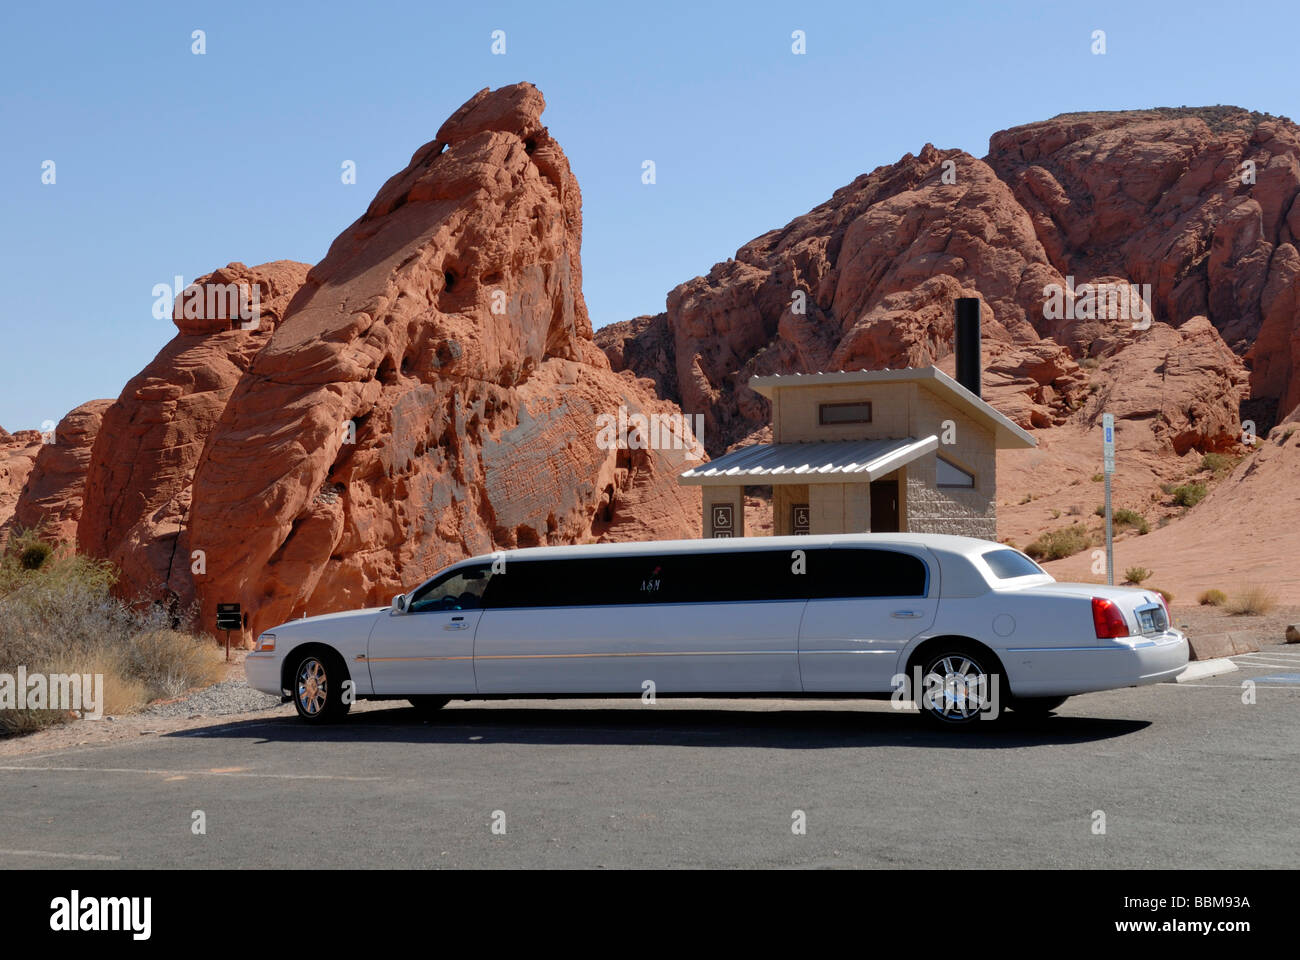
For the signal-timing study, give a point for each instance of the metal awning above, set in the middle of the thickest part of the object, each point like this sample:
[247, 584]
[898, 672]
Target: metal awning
[845, 461]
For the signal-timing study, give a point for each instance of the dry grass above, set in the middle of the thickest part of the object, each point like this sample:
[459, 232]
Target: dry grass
[1212, 598]
[59, 616]
[1251, 601]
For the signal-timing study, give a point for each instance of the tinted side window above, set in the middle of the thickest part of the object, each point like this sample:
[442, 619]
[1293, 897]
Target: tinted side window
[578, 582]
[743, 576]
[732, 576]
[720, 577]
[859, 572]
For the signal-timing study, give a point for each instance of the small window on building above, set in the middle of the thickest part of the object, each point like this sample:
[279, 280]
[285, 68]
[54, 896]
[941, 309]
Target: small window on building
[950, 475]
[833, 413]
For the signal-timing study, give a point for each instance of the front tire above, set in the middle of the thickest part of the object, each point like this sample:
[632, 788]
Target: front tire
[957, 684]
[318, 681]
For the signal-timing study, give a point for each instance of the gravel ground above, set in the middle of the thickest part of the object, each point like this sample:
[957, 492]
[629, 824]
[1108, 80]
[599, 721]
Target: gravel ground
[219, 700]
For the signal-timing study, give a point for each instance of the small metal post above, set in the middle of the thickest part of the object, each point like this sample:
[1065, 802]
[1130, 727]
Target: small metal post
[1108, 467]
[1110, 543]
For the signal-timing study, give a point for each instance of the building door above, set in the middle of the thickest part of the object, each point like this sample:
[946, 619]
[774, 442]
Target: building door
[884, 506]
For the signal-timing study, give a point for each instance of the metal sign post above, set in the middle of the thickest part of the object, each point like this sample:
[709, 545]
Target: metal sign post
[1108, 467]
[229, 618]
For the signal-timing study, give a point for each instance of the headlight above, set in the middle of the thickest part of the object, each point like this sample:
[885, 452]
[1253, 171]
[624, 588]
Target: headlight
[265, 643]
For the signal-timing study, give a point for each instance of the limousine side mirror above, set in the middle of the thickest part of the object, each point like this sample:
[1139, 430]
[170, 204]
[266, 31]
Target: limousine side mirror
[399, 603]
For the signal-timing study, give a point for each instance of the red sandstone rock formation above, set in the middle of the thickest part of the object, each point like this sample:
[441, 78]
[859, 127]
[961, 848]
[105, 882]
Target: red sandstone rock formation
[863, 281]
[1180, 387]
[1164, 197]
[51, 497]
[138, 485]
[432, 392]
[17, 454]
[1151, 197]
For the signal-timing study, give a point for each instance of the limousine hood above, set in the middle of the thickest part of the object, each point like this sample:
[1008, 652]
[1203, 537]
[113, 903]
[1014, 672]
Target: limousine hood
[339, 619]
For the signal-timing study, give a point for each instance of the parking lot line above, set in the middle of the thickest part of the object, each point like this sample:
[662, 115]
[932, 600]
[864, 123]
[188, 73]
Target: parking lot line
[195, 773]
[57, 856]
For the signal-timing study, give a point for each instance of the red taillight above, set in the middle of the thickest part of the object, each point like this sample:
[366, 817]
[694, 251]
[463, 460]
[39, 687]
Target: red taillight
[1108, 620]
[1169, 617]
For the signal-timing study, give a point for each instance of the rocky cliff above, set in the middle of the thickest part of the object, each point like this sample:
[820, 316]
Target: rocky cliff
[141, 471]
[431, 392]
[1199, 204]
[53, 491]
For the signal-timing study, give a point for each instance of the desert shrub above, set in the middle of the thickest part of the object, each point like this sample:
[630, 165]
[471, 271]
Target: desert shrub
[1064, 542]
[1098, 477]
[61, 617]
[1189, 494]
[169, 662]
[33, 557]
[1216, 462]
[1212, 598]
[1252, 601]
[1125, 518]
[1169, 597]
[1137, 574]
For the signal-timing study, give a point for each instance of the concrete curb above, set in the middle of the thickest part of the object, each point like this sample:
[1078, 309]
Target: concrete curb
[1201, 669]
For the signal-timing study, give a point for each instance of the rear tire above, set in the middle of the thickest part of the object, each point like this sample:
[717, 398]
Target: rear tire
[426, 706]
[954, 678]
[318, 680]
[1036, 706]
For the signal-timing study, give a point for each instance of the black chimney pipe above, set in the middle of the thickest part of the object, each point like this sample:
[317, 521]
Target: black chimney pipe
[966, 342]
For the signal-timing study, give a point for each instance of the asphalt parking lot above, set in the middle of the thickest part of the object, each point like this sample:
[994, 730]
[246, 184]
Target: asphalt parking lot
[1186, 775]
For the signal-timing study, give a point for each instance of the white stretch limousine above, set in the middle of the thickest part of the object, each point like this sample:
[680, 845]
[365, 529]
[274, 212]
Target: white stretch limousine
[956, 625]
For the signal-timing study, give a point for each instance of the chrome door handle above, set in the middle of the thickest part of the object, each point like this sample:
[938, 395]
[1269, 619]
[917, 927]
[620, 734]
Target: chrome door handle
[906, 614]
[457, 624]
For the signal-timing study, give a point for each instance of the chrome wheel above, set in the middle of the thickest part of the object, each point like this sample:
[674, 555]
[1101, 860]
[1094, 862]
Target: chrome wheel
[312, 688]
[955, 688]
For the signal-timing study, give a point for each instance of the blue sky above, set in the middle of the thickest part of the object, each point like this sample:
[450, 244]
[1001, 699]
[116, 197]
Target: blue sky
[170, 163]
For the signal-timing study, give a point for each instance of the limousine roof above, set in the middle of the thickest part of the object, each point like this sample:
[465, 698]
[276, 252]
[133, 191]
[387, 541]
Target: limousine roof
[937, 542]
[960, 575]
